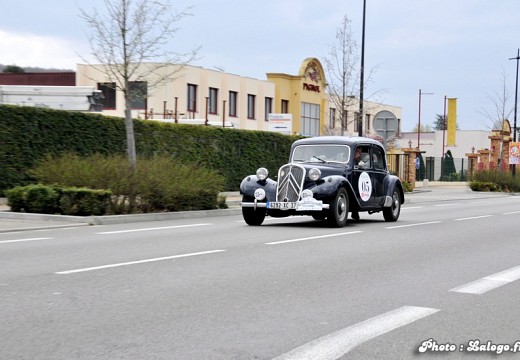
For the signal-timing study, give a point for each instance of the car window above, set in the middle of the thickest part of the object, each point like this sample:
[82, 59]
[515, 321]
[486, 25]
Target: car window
[362, 157]
[321, 153]
[378, 159]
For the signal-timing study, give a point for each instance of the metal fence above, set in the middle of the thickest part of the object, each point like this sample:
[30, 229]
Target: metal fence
[436, 169]
[431, 168]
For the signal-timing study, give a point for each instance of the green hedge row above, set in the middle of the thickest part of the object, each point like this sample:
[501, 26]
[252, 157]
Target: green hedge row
[44, 199]
[157, 184]
[27, 134]
[493, 180]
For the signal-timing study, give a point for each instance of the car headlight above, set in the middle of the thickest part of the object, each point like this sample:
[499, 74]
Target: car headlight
[314, 174]
[262, 173]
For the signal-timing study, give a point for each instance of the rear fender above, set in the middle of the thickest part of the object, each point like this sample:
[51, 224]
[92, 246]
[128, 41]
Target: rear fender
[392, 182]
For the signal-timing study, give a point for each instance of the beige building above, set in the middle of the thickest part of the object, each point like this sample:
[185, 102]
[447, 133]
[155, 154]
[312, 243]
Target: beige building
[196, 94]
[192, 93]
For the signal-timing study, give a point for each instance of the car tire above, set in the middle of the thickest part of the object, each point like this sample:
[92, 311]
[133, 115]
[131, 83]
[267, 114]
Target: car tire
[338, 211]
[391, 213]
[252, 216]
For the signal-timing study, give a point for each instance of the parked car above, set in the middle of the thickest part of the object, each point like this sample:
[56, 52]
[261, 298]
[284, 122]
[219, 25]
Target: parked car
[327, 178]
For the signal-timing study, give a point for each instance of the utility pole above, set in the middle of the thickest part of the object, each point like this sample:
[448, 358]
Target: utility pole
[362, 71]
[419, 119]
[516, 101]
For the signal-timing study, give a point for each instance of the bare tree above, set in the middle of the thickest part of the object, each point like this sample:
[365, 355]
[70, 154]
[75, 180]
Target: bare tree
[130, 40]
[500, 108]
[341, 65]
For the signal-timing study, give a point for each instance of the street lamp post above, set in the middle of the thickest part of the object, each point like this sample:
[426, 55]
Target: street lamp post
[516, 101]
[362, 71]
[443, 136]
[419, 123]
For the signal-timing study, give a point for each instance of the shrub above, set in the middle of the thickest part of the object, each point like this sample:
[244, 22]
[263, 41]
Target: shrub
[16, 198]
[407, 187]
[84, 202]
[45, 199]
[158, 184]
[166, 185]
[500, 180]
[483, 186]
[41, 199]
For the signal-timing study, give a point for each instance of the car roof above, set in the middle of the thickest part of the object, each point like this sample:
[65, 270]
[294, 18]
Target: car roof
[336, 140]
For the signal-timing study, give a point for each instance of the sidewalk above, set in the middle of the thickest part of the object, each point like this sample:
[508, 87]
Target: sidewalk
[12, 221]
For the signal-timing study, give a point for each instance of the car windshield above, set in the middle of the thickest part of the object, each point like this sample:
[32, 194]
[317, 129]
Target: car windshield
[321, 153]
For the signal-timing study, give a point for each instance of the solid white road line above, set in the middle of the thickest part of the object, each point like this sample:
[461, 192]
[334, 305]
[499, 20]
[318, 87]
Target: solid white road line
[337, 344]
[410, 225]
[473, 217]
[150, 229]
[440, 205]
[23, 240]
[491, 282]
[311, 238]
[136, 262]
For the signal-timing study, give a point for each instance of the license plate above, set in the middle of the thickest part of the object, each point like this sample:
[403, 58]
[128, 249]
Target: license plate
[281, 205]
[310, 204]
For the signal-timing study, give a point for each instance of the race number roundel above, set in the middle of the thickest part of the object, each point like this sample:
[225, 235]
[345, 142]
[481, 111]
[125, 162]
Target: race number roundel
[365, 186]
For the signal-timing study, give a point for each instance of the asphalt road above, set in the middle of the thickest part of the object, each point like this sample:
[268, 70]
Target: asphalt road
[215, 288]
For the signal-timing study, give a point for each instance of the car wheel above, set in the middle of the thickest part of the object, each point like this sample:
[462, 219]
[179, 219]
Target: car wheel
[338, 210]
[252, 216]
[392, 213]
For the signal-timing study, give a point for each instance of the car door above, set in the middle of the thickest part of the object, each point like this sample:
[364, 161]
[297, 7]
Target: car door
[362, 176]
[379, 174]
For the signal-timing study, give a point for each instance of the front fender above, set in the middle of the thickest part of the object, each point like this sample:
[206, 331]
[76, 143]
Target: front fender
[329, 186]
[251, 183]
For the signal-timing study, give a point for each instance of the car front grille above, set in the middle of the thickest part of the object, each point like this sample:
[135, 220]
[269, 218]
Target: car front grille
[290, 182]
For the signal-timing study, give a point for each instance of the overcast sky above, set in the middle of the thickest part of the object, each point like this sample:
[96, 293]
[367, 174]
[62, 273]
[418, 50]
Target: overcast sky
[454, 48]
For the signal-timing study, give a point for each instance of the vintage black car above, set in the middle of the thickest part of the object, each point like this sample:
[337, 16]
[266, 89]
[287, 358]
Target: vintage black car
[326, 177]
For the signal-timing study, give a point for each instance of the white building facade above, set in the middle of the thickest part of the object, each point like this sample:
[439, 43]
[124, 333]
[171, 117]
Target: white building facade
[190, 93]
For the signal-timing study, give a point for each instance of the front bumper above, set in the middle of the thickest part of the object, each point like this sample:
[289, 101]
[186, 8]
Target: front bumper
[307, 204]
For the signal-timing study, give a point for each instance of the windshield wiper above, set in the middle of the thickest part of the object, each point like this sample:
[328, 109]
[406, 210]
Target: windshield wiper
[320, 159]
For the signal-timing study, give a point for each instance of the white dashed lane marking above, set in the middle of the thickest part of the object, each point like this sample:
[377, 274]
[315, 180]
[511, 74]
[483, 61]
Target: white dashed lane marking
[489, 282]
[312, 238]
[337, 344]
[93, 268]
[23, 240]
[151, 229]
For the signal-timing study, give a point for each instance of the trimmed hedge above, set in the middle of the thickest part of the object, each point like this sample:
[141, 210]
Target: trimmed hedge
[494, 180]
[44, 199]
[28, 134]
[158, 183]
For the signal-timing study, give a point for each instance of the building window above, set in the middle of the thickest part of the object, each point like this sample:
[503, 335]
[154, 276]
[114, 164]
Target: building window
[192, 98]
[332, 118]
[213, 101]
[356, 124]
[108, 89]
[367, 122]
[268, 107]
[310, 119]
[137, 93]
[233, 100]
[251, 106]
[285, 107]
